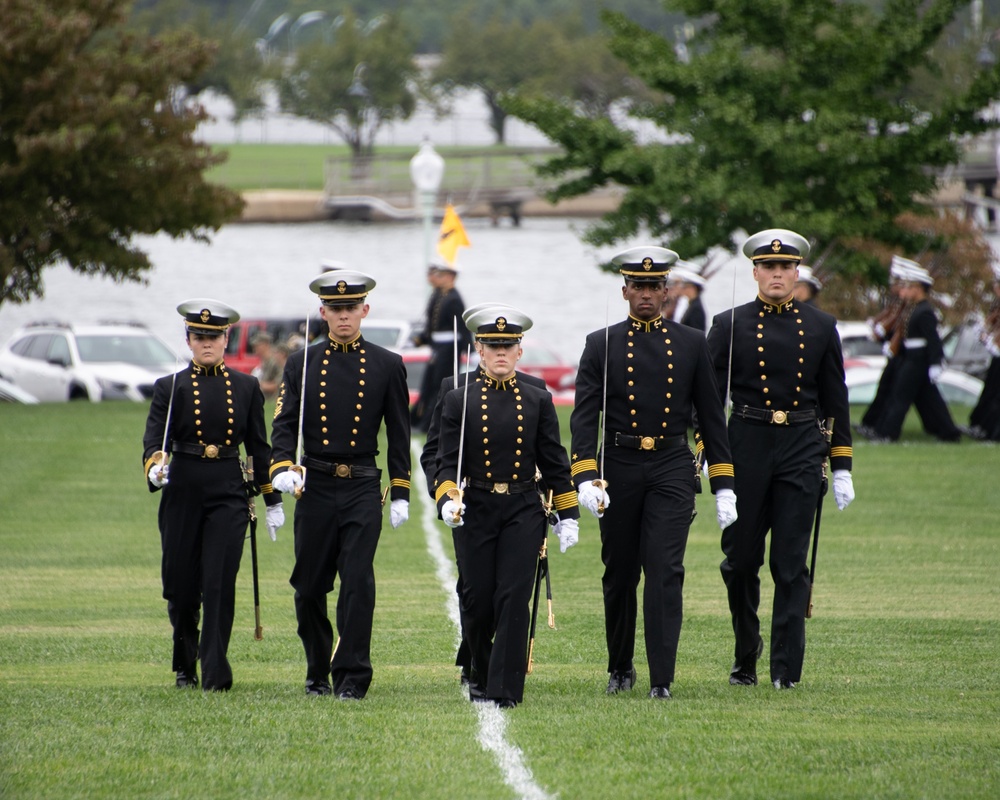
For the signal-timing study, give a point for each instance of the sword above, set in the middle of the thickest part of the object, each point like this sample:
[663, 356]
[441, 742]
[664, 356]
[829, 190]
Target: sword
[457, 494]
[454, 352]
[161, 456]
[600, 483]
[828, 433]
[258, 632]
[547, 505]
[540, 569]
[299, 448]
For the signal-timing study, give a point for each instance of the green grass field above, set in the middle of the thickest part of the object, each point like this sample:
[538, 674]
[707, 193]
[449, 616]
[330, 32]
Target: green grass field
[900, 696]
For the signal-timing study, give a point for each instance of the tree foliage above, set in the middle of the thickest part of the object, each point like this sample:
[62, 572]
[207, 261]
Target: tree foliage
[788, 113]
[92, 149]
[355, 83]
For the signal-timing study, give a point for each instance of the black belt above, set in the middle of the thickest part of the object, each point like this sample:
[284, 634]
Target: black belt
[501, 487]
[340, 470]
[206, 450]
[774, 417]
[649, 442]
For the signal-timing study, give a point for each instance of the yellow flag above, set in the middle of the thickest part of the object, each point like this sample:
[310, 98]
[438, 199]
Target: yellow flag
[452, 235]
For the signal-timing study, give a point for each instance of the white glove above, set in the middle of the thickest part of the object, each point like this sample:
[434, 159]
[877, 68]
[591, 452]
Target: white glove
[590, 496]
[887, 349]
[725, 507]
[399, 512]
[568, 531]
[993, 348]
[934, 372]
[448, 512]
[843, 488]
[155, 473]
[879, 330]
[287, 482]
[275, 518]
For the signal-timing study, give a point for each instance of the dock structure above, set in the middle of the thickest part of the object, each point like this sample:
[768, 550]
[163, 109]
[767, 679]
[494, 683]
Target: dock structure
[494, 183]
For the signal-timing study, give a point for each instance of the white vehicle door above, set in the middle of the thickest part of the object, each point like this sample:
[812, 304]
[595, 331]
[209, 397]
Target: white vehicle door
[38, 375]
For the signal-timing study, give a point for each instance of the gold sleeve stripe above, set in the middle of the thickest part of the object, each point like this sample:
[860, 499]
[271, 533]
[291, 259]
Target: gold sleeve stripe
[584, 466]
[564, 501]
[265, 488]
[147, 466]
[720, 470]
[846, 452]
[279, 465]
[400, 482]
[443, 489]
[699, 445]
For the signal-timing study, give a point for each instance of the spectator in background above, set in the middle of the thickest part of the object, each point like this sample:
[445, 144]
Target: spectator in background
[268, 372]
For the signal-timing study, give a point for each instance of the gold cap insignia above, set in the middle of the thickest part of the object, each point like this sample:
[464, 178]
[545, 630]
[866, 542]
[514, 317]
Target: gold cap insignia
[776, 245]
[647, 263]
[206, 315]
[341, 286]
[501, 323]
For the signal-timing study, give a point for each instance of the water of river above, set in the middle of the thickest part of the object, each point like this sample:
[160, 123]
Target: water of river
[541, 267]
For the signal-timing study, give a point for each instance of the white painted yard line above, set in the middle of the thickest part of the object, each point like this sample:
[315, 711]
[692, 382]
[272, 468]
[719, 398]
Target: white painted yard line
[492, 721]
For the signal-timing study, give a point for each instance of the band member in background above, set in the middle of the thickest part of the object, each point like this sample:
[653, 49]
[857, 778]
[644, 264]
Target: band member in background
[685, 282]
[787, 375]
[496, 433]
[807, 286]
[920, 365]
[200, 417]
[351, 387]
[658, 373]
[984, 421]
[444, 318]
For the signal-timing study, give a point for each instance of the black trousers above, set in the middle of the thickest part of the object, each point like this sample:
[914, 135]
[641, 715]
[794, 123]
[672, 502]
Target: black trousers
[497, 550]
[986, 414]
[873, 414]
[644, 531]
[439, 367]
[912, 386]
[778, 481]
[338, 522]
[203, 520]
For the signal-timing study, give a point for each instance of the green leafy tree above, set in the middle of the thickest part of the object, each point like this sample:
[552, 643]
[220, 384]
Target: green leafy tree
[93, 148]
[360, 80]
[786, 113]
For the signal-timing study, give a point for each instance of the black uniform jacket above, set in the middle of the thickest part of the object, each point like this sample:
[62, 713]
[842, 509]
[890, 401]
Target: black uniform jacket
[923, 324]
[786, 357]
[657, 372]
[694, 316]
[444, 317]
[212, 406]
[511, 429]
[350, 389]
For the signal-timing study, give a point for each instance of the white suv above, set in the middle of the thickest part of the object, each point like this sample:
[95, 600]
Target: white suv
[112, 361]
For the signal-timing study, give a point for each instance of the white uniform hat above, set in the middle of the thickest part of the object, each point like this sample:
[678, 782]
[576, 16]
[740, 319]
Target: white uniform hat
[647, 264]
[806, 276]
[910, 271]
[207, 317]
[342, 287]
[680, 274]
[776, 244]
[496, 323]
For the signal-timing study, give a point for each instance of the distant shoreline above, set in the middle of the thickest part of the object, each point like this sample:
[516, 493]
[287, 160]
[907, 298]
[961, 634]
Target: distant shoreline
[281, 205]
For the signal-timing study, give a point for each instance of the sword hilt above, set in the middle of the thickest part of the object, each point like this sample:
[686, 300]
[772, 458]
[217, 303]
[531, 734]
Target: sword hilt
[456, 496]
[601, 484]
[299, 470]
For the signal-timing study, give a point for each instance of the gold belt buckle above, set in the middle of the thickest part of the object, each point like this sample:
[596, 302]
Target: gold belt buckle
[779, 417]
[342, 471]
[500, 488]
[647, 443]
[211, 451]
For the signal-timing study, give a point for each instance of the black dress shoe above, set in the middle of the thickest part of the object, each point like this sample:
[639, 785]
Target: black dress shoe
[784, 683]
[621, 681]
[505, 702]
[187, 679]
[745, 673]
[318, 688]
[660, 693]
[349, 694]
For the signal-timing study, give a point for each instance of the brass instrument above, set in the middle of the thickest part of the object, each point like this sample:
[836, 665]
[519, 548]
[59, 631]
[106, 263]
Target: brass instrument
[991, 325]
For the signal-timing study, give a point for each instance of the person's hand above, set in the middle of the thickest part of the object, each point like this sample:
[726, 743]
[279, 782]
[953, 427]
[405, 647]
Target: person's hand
[275, 518]
[591, 496]
[934, 372]
[287, 482]
[451, 513]
[158, 476]
[843, 488]
[725, 507]
[399, 512]
[568, 532]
